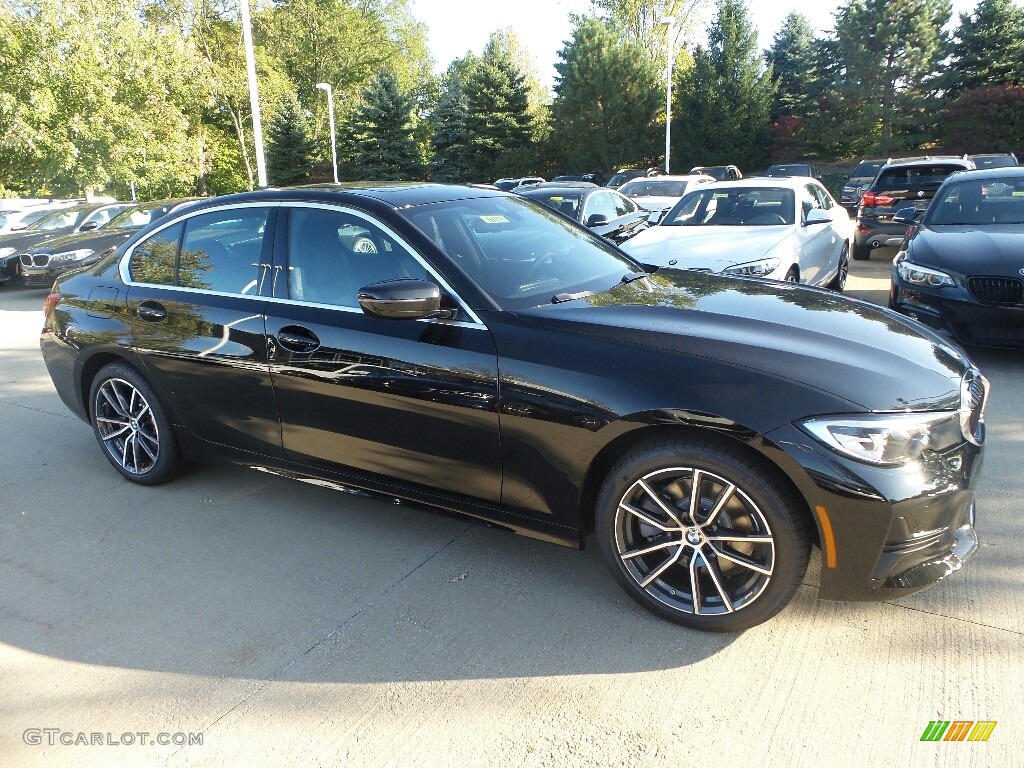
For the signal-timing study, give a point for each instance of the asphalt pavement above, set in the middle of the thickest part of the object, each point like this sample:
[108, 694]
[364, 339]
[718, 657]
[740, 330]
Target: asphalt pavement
[234, 618]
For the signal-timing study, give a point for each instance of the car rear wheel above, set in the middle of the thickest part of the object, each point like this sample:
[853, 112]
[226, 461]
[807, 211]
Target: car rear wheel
[838, 283]
[703, 534]
[861, 252]
[132, 427]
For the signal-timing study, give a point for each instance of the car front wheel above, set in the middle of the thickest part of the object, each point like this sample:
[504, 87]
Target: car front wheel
[701, 533]
[132, 427]
[838, 283]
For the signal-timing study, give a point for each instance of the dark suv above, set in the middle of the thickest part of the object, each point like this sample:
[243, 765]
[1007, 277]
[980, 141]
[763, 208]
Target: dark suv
[862, 175]
[909, 182]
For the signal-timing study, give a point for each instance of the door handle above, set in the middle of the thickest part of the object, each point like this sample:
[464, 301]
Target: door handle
[151, 312]
[295, 338]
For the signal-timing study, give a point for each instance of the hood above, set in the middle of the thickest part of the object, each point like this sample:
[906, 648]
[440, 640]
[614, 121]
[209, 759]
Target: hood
[996, 250]
[866, 355]
[23, 240]
[712, 248]
[98, 240]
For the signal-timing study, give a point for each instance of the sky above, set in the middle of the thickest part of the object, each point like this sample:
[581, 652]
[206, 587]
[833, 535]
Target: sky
[542, 26]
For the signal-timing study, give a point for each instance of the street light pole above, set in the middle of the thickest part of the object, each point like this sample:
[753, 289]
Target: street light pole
[254, 97]
[330, 116]
[670, 22]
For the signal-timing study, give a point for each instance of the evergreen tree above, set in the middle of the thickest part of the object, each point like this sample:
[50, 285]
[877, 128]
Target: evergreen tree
[498, 126]
[291, 149]
[607, 100]
[384, 133]
[448, 120]
[886, 54]
[726, 98]
[989, 47]
[794, 61]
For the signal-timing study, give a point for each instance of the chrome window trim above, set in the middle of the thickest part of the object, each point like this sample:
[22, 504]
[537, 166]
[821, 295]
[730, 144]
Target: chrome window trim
[126, 276]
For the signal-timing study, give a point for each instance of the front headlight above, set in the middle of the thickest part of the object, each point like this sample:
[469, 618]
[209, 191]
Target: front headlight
[887, 439]
[761, 268]
[76, 255]
[918, 275]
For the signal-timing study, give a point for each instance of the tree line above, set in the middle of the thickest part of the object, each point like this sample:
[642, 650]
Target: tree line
[152, 94]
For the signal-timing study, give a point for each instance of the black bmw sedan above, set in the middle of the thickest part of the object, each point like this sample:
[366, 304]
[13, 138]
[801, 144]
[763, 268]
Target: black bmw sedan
[961, 268]
[604, 211]
[491, 357]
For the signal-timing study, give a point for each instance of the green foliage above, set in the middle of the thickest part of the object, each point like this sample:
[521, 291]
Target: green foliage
[448, 123]
[498, 133]
[987, 119]
[290, 148]
[725, 99]
[794, 61]
[384, 132]
[988, 48]
[641, 21]
[608, 100]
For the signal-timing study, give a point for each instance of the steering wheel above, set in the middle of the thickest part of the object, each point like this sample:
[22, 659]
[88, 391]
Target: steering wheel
[544, 260]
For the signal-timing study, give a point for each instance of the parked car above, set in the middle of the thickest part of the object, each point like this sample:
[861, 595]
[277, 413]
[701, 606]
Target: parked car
[962, 267]
[659, 193]
[508, 184]
[604, 211]
[781, 229]
[497, 359]
[62, 221]
[899, 183]
[995, 160]
[591, 178]
[793, 169]
[623, 175]
[18, 219]
[863, 174]
[42, 263]
[719, 172]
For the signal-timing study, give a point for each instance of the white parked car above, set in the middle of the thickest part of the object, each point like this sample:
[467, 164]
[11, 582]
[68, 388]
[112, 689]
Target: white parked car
[781, 228]
[658, 194]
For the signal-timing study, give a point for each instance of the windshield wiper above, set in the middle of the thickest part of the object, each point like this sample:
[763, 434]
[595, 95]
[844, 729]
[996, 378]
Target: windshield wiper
[560, 298]
[635, 276]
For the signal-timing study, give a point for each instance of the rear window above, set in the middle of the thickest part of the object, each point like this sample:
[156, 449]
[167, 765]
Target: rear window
[915, 177]
[866, 169]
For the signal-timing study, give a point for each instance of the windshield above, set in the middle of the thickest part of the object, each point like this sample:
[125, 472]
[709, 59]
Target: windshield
[653, 188]
[568, 203]
[735, 206]
[137, 218]
[521, 253]
[978, 203]
[65, 218]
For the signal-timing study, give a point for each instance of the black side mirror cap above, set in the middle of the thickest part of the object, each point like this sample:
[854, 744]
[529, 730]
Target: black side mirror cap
[403, 299]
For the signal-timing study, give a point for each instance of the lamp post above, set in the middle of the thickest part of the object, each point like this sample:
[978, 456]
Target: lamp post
[330, 116]
[670, 22]
[254, 98]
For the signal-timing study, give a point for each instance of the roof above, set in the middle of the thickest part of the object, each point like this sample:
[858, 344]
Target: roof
[397, 194]
[786, 182]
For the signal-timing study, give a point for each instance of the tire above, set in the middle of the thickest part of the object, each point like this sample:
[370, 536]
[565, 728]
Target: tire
[861, 252]
[132, 428]
[838, 283]
[656, 550]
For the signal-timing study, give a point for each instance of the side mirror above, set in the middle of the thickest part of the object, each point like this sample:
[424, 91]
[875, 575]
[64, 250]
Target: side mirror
[89, 226]
[906, 216]
[18, 227]
[818, 216]
[403, 299]
[597, 220]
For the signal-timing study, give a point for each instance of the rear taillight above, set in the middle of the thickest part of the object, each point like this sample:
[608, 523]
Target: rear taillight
[873, 198]
[50, 302]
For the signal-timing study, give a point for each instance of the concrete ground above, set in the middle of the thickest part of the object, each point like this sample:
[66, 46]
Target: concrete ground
[286, 624]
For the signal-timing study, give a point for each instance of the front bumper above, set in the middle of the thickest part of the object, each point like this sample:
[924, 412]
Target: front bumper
[953, 310]
[884, 532]
[43, 277]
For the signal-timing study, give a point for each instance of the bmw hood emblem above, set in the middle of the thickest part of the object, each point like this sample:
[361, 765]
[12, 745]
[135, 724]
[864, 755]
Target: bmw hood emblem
[1022, 271]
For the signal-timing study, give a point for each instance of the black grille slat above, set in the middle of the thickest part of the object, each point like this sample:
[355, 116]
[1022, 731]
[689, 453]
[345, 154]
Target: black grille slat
[40, 259]
[998, 290]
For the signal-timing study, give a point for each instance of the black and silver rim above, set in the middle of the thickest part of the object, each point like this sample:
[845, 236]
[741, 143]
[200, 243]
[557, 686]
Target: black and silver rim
[694, 541]
[127, 426]
[844, 267]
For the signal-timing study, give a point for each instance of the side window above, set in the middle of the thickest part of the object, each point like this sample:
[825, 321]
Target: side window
[600, 203]
[332, 254]
[154, 260]
[221, 250]
[100, 217]
[812, 195]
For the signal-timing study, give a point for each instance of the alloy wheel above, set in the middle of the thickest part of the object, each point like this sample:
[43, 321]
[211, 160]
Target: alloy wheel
[126, 426]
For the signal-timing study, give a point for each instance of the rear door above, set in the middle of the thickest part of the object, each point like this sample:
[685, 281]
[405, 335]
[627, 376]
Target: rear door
[197, 298]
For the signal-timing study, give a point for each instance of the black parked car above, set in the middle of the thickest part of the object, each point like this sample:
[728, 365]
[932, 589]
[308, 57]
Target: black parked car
[793, 169]
[900, 183]
[605, 211]
[962, 267]
[862, 175]
[995, 160]
[62, 221]
[492, 357]
[42, 263]
[719, 172]
[623, 175]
